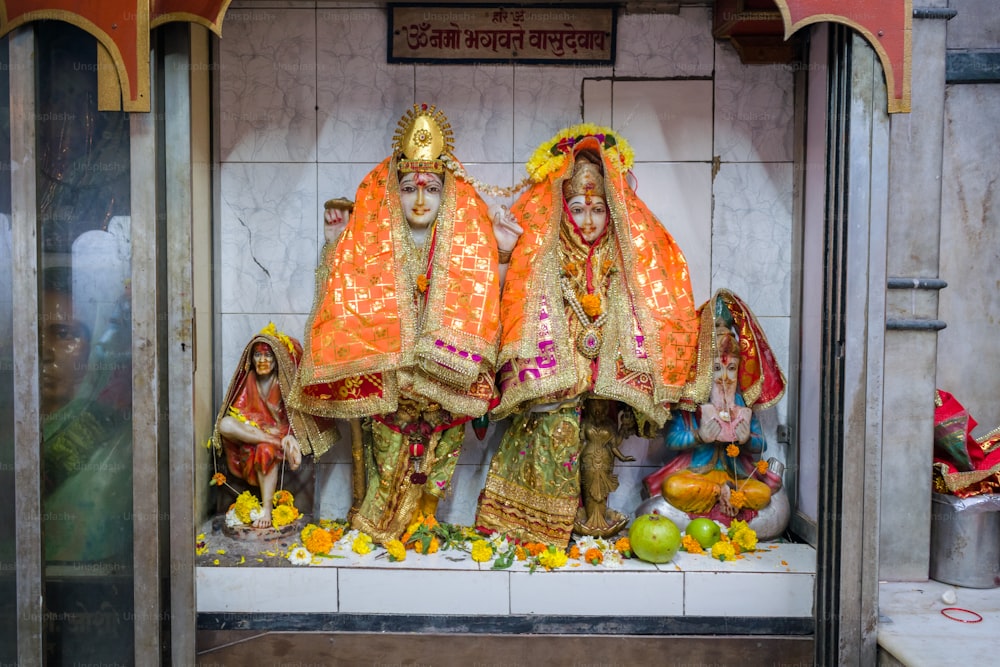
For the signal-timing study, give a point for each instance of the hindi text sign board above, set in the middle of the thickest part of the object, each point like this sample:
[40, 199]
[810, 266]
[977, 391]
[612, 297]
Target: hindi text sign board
[521, 33]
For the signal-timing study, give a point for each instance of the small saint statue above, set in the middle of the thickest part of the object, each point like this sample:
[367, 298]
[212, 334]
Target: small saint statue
[256, 431]
[719, 470]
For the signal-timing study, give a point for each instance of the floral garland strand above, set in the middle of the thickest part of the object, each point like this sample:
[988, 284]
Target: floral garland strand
[483, 188]
[550, 155]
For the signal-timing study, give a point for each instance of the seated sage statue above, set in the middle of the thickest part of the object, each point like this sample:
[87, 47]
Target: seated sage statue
[719, 469]
[255, 430]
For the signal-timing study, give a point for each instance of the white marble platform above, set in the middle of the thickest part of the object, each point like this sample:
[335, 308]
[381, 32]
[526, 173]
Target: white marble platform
[772, 582]
[913, 631]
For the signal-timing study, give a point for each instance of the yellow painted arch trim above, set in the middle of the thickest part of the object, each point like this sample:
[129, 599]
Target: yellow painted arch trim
[901, 105]
[215, 25]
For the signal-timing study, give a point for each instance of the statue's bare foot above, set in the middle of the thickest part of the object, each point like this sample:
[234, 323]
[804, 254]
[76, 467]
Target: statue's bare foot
[724, 504]
[263, 521]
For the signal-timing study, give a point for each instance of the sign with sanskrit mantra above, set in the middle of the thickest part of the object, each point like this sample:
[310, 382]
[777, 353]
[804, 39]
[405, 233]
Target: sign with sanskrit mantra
[522, 33]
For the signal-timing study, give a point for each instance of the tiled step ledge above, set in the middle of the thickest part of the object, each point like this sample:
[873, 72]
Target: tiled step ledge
[775, 583]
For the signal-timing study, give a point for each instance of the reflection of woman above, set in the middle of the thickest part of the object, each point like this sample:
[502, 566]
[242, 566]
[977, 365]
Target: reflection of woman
[87, 435]
[254, 429]
[405, 323]
[597, 303]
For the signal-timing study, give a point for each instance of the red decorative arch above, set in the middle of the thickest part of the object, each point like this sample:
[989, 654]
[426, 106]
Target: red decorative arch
[121, 27]
[886, 24]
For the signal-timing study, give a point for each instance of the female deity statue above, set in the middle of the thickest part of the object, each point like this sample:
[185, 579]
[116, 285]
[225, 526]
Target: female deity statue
[597, 304]
[255, 430]
[405, 323]
[719, 471]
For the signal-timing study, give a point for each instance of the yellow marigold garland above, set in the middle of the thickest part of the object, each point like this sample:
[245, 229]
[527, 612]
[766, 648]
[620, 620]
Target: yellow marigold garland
[552, 558]
[396, 550]
[283, 515]
[723, 550]
[245, 503]
[271, 330]
[362, 544]
[481, 551]
[550, 155]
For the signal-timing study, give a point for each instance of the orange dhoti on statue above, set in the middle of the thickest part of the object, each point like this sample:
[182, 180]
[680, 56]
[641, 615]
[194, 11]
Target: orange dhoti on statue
[698, 493]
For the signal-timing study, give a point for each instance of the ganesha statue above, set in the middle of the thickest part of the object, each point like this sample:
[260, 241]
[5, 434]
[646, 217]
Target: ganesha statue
[719, 470]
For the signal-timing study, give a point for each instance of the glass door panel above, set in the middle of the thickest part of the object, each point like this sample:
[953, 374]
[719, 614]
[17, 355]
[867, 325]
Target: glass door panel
[85, 391]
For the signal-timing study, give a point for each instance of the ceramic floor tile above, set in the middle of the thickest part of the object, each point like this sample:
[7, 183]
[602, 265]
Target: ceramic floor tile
[597, 593]
[913, 629]
[369, 591]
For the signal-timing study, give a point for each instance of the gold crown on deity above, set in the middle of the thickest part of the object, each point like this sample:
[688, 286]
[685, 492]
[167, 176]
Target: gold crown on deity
[423, 136]
[587, 180]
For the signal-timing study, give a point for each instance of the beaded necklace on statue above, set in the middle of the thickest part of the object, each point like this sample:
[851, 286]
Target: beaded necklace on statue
[580, 282]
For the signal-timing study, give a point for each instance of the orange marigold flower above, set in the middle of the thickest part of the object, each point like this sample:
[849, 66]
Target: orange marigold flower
[430, 521]
[318, 541]
[432, 547]
[422, 283]
[691, 545]
[218, 479]
[591, 304]
[607, 265]
[738, 499]
[732, 451]
[574, 552]
[594, 556]
[534, 548]
[520, 553]
[569, 268]
[337, 533]
[624, 547]
[762, 466]
[282, 497]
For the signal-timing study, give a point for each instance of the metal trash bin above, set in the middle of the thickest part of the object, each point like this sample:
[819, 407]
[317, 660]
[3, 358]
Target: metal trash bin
[965, 540]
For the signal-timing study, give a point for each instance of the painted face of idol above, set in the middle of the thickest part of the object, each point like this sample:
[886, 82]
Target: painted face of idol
[420, 197]
[590, 214]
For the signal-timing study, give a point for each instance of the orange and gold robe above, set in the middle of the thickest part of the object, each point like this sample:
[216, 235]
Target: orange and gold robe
[649, 342]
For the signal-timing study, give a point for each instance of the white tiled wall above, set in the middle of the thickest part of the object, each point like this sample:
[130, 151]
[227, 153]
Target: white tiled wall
[308, 105]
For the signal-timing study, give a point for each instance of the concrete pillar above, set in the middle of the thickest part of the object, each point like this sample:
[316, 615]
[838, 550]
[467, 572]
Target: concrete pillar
[914, 221]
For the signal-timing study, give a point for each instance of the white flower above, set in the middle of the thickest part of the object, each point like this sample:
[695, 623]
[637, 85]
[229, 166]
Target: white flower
[299, 556]
[612, 558]
[256, 514]
[231, 520]
[347, 540]
[499, 543]
[587, 542]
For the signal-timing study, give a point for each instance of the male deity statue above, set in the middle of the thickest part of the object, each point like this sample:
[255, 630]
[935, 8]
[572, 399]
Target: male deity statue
[405, 322]
[719, 469]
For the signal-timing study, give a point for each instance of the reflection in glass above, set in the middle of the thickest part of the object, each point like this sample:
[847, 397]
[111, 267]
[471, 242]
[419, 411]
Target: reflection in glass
[8, 583]
[85, 363]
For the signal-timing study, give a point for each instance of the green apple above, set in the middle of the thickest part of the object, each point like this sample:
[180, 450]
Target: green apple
[654, 538]
[706, 531]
